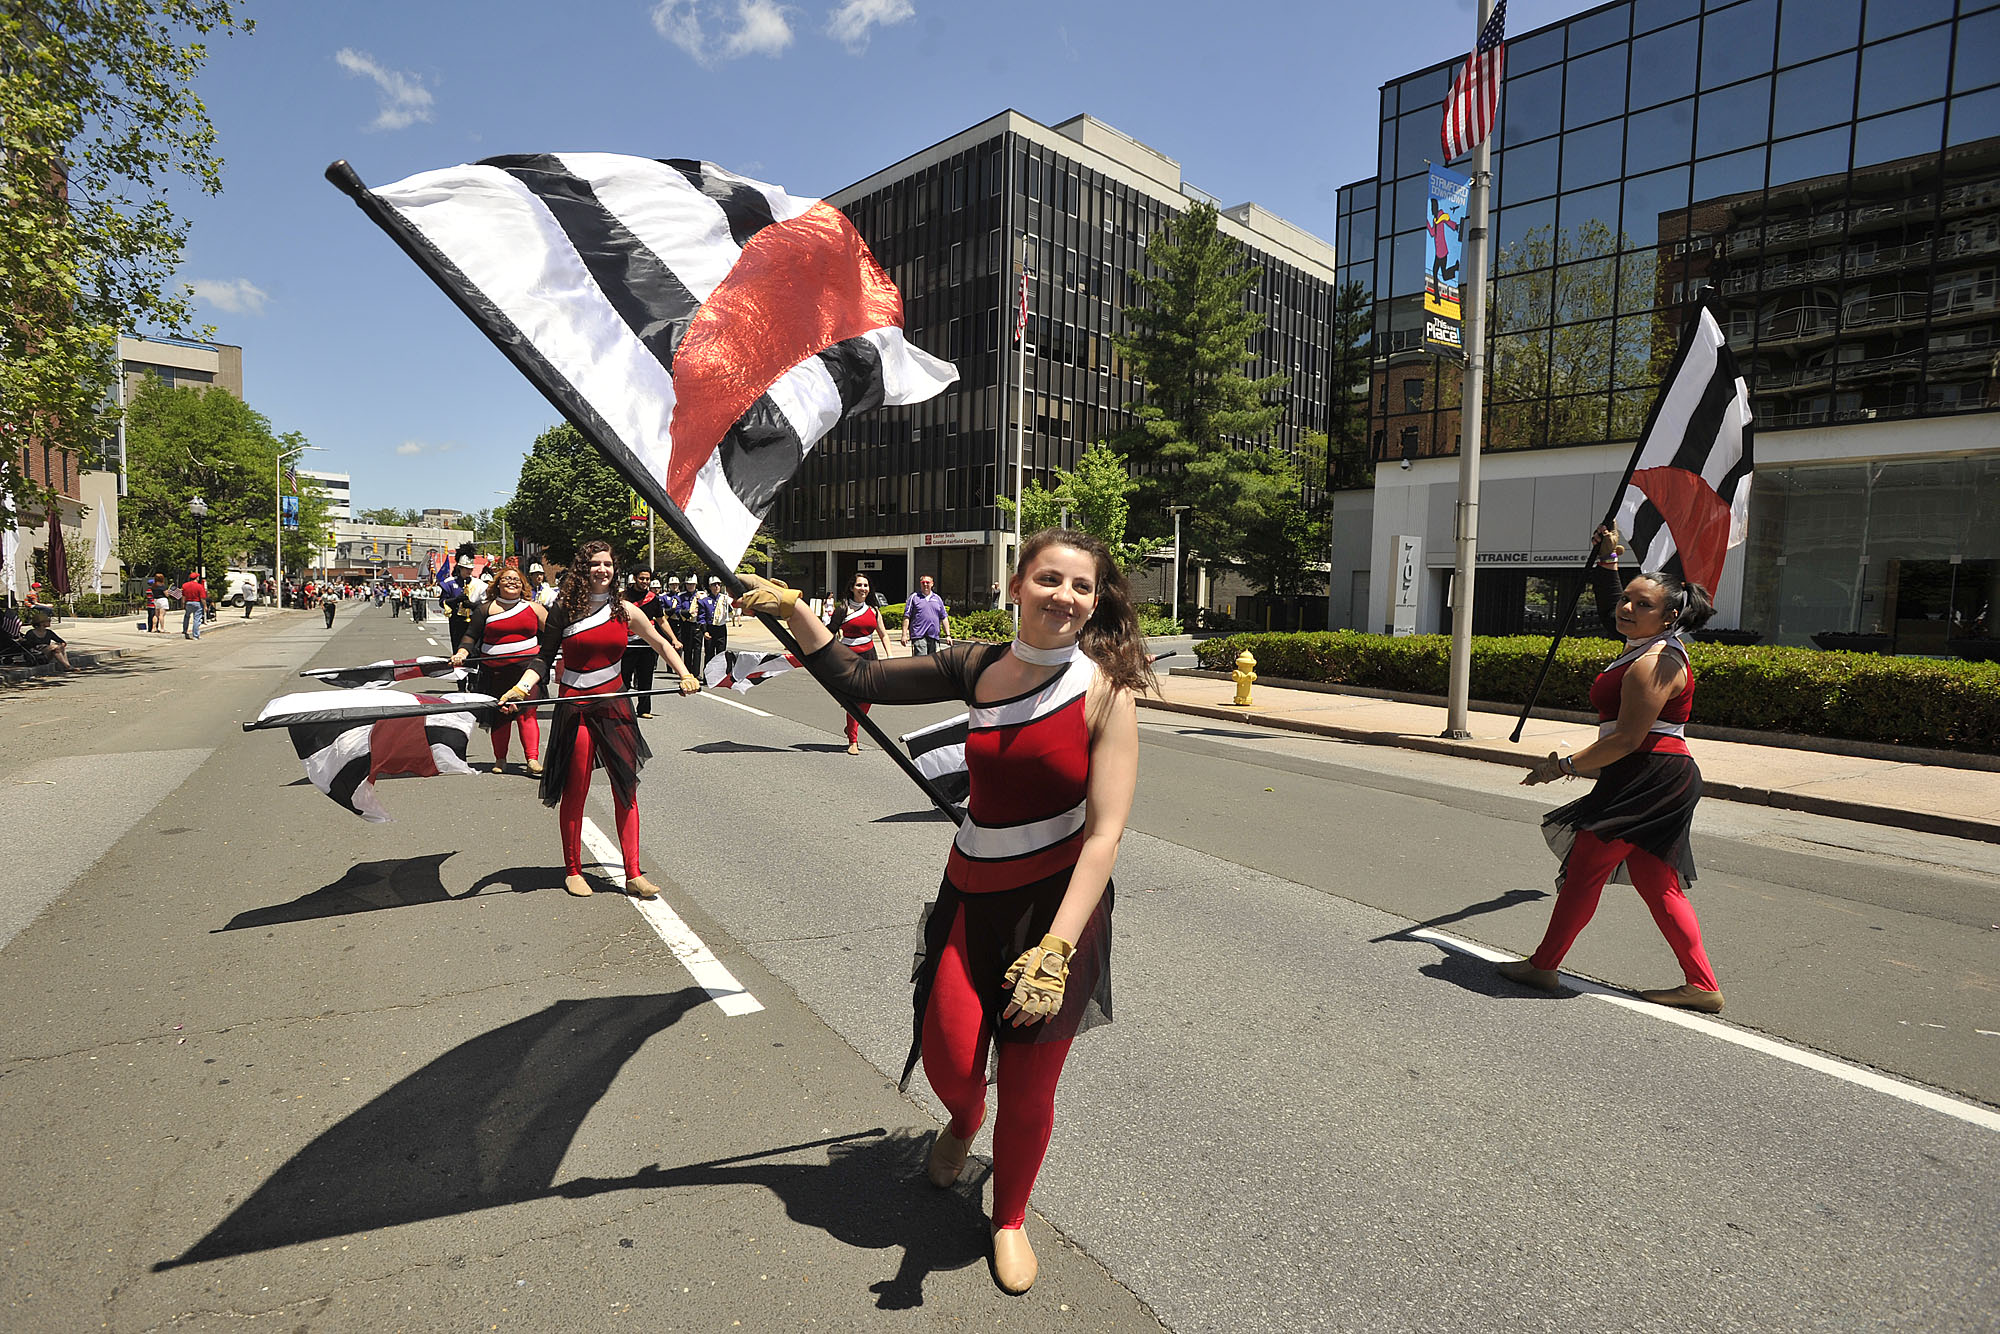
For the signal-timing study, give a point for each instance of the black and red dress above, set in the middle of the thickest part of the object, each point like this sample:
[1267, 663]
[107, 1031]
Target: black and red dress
[506, 639]
[584, 735]
[854, 625]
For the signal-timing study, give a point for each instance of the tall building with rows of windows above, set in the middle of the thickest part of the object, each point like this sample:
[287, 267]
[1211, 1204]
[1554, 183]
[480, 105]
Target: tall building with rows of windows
[1832, 169]
[909, 491]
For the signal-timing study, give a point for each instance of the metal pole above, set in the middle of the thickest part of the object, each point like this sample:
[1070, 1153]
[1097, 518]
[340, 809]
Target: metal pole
[1020, 420]
[1174, 608]
[278, 528]
[1459, 700]
[1007, 298]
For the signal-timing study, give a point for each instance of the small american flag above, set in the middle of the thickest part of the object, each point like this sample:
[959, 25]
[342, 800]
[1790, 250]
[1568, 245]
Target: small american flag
[1021, 316]
[1468, 112]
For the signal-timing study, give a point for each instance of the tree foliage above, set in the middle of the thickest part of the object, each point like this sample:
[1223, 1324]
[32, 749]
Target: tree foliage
[568, 495]
[1282, 539]
[97, 112]
[186, 442]
[391, 516]
[1095, 497]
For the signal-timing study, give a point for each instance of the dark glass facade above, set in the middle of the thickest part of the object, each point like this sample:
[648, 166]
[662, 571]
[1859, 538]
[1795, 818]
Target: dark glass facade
[950, 233]
[1831, 167]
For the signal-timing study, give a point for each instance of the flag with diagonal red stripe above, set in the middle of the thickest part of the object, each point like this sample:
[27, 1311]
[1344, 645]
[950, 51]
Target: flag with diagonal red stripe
[349, 739]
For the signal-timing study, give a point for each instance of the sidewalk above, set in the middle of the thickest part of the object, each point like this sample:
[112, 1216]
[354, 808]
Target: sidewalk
[100, 639]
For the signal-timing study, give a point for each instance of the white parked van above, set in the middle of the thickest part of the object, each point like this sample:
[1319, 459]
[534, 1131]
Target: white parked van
[238, 587]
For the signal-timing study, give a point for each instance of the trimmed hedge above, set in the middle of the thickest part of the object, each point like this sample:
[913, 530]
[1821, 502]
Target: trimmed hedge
[1855, 696]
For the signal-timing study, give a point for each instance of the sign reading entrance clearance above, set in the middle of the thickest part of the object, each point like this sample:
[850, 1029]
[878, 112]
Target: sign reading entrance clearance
[973, 538]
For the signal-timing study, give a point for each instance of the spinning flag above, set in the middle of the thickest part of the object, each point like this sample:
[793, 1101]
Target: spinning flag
[375, 675]
[703, 329]
[939, 753]
[1688, 498]
[736, 670]
[347, 744]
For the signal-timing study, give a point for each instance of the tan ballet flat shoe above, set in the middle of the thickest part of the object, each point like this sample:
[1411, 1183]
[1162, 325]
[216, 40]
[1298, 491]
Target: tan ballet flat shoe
[853, 748]
[1014, 1263]
[497, 768]
[639, 887]
[1524, 972]
[947, 1159]
[534, 768]
[1686, 997]
[577, 885]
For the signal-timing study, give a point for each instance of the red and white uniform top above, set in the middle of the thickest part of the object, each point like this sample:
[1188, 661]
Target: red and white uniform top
[857, 627]
[593, 650]
[1029, 761]
[514, 632]
[1668, 734]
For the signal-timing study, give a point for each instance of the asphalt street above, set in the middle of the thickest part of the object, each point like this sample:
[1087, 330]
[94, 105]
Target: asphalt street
[270, 1060]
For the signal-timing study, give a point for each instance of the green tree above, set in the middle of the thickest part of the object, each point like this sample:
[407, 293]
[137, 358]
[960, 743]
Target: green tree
[1096, 497]
[186, 442]
[390, 515]
[1282, 538]
[568, 495]
[97, 112]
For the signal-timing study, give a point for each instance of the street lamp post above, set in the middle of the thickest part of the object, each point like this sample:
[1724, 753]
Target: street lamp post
[1174, 610]
[199, 509]
[278, 508]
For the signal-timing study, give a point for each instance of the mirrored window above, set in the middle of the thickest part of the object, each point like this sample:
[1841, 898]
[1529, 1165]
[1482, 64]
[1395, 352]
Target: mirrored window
[1577, 421]
[1419, 140]
[1812, 28]
[1643, 350]
[1412, 256]
[1738, 42]
[1595, 30]
[1524, 236]
[1976, 60]
[1812, 97]
[1590, 156]
[1974, 116]
[1888, 17]
[1412, 195]
[1385, 150]
[1595, 88]
[1663, 65]
[1728, 177]
[1529, 106]
[1528, 173]
[1521, 365]
[1639, 281]
[1586, 291]
[1661, 137]
[1364, 229]
[1904, 134]
[1810, 157]
[1734, 117]
[1650, 14]
[1427, 89]
[1534, 52]
[1580, 359]
[1908, 70]
[1521, 301]
[1648, 199]
[1587, 223]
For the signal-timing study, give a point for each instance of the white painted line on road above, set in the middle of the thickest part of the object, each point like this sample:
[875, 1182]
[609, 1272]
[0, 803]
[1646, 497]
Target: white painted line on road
[432, 642]
[733, 703]
[1826, 1065]
[701, 963]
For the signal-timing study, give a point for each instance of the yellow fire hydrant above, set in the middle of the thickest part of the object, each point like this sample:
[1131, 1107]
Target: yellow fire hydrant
[1244, 676]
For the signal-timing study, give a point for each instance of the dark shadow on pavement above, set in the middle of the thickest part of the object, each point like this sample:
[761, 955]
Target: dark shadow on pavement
[928, 814]
[1234, 734]
[1478, 976]
[824, 747]
[870, 1194]
[400, 882]
[1497, 903]
[733, 748]
[520, 879]
[482, 1126]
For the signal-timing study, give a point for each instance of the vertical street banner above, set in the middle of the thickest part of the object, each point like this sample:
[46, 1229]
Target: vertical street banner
[288, 510]
[1444, 226]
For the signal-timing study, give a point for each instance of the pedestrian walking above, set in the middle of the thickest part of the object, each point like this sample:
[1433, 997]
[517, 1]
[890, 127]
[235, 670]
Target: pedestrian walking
[640, 660]
[506, 633]
[1633, 823]
[712, 612]
[417, 598]
[194, 603]
[1017, 947]
[858, 626]
[329, 598]
[156, 603]
[588, 627]
[926, 620]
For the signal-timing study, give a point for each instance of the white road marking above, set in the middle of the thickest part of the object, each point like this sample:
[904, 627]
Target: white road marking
[1853, 1074]
[721, 698]
[432, 642]
[701, 963]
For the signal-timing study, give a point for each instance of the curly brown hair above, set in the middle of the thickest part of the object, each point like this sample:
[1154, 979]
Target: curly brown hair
[573, 598]
[1111, 637]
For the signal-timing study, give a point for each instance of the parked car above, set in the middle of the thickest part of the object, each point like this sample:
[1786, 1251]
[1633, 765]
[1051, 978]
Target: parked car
[239, 586]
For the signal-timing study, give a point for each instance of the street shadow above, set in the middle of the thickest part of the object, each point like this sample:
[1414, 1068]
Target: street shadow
[399, 882]
[484, 1125]
[928, 815]
[823, 747]
[519, 879]
[869, 1194]
[1234, 734]
[733, 748]
[1483, 978]
[1497, 903]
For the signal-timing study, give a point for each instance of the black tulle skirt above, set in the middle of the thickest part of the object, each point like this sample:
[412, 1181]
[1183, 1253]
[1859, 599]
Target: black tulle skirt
[999, 928]
[617, 747]
[1646, 800]
[496, 679]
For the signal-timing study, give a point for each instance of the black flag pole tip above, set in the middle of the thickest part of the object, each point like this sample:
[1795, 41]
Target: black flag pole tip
[344, 178]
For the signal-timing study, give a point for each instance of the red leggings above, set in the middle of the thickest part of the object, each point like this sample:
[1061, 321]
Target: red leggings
[853, 727]
[956, 1038]
[576, 787]
[1591, 862]
[531, 735]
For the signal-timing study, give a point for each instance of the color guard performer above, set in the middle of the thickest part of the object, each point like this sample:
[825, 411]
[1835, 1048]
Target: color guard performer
[506, 632]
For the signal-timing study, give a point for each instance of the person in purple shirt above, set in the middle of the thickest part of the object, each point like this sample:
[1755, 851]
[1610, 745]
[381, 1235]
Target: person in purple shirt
[926, 621]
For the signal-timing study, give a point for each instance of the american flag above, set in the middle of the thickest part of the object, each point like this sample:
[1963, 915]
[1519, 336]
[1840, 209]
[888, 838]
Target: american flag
[1468, 112]
[1021, 317]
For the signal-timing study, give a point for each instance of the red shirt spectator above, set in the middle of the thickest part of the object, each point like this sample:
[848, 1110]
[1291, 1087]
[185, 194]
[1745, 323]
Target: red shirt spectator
[194, 590]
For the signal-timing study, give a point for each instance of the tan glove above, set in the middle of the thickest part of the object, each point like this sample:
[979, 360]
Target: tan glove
[513, 694]
[1036, 981]
[690, 684]
[762, 597]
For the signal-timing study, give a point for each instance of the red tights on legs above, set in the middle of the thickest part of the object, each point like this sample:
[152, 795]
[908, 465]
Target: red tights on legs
[1591, 862]
[853, 727]
[956, 1039]
[569, 817]
[531, 736]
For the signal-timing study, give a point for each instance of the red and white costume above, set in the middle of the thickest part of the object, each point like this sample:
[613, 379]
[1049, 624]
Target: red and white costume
[854, 625]
[506, 639]
[584, 735]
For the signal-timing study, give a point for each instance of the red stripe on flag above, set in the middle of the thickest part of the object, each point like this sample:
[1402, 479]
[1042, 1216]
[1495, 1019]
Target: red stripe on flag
[755, 326]
[397, 749]
[1696, 516]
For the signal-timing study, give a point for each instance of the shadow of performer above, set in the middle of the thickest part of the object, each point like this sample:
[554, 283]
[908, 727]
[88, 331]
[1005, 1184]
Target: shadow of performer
[1498, 903]
[484, 1125]
[400, 882]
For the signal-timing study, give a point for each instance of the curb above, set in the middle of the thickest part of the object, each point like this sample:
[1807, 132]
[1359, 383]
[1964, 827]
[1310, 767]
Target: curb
[1923, 822]
[80, 661]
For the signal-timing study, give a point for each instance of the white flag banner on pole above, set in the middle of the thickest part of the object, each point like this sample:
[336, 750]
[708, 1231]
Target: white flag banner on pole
[103, 545]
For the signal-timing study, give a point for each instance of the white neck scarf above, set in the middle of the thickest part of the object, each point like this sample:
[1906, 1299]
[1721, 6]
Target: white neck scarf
[1045, 657]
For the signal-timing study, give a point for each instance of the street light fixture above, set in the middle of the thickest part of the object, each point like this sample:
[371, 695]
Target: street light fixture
[199, 509]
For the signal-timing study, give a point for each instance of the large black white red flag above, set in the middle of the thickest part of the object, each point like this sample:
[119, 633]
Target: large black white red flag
[939, 754]
[732, 669]
[375, 675]
[1688, 499]
[705, 330]
[348, 745]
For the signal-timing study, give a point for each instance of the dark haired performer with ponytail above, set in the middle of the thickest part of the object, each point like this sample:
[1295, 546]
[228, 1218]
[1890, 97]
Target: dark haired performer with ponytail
[589, 626]
[1018, 944]
[1634, 822]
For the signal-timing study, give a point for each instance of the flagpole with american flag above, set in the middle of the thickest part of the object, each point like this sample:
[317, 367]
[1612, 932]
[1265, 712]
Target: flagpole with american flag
[1020, 405]
[1468, 125]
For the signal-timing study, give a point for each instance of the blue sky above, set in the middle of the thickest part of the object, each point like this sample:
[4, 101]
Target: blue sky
[344, 340]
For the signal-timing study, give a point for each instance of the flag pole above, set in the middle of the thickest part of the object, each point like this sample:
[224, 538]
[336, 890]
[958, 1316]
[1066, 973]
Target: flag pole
[503, 335]
[1471, 421]
[1020, 415]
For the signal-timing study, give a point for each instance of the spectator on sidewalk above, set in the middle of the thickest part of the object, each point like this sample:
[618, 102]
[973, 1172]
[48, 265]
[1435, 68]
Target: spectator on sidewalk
[926, 620]
[712, 609]
[156, 603]
[42, 644]
[194, 605]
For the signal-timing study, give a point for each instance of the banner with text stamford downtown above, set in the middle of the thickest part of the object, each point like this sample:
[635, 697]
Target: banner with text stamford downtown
[1444, 225]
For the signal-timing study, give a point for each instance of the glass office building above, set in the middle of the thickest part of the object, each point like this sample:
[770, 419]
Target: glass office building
[1832, 169]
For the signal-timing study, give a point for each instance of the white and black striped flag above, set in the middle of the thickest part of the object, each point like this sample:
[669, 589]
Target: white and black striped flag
[375, 675]
[732, 669]
[347, 744]
[703, 329]
[939, 754]
[1687, 501]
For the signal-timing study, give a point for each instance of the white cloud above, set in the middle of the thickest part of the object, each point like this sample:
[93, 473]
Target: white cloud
[850, 23]
[409, 447]
[237, 296]
[405, 100]
[709, 31]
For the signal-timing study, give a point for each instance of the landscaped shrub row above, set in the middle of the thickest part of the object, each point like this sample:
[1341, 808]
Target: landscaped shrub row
[1858, 696]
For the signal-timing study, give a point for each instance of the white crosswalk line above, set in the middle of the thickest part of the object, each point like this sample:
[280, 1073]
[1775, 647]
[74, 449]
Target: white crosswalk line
[708, 972]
